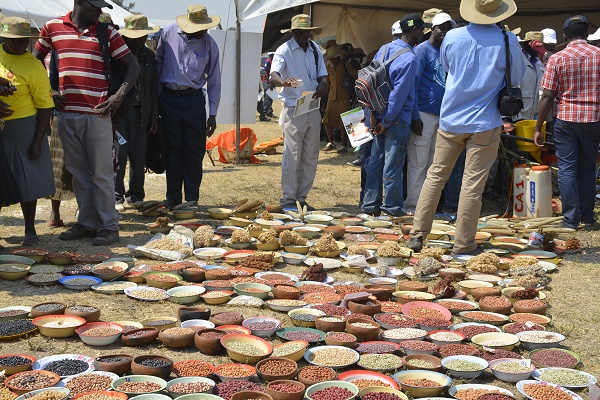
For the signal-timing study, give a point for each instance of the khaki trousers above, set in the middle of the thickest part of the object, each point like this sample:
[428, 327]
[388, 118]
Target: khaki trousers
[482, 149]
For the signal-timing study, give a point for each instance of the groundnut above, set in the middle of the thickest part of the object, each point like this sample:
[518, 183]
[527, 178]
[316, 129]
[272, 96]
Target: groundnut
[543, 392]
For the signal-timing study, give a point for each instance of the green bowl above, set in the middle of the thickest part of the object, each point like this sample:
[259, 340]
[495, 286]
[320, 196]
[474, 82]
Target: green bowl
[324, 385]
[241, 289]
[281, 333]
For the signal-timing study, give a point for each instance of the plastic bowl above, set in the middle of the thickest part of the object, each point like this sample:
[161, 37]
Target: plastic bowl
[263, 345]
[8, 382]
[510, 376]
[324, 385]
[465, 374]
[376, 389]
[242, 290]
[99, 340]
[262, 332]
[61, 332]
[11, 370]
[484, 339]
[420, 391]
[119, 269]
[138, 378]
[189, 379]
[21, 271]
[64, 391]
[186, 294]
[534, 345]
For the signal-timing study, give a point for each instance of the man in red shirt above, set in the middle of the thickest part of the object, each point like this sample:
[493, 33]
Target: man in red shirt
[572, 82]
[85, 107]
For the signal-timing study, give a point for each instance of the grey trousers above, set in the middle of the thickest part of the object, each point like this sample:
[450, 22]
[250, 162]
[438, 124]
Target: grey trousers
[87, 142]
[130, 127]
[300, 154]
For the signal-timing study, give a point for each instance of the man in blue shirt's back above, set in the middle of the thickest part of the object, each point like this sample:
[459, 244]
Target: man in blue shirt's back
[392, 127]
[475, 59]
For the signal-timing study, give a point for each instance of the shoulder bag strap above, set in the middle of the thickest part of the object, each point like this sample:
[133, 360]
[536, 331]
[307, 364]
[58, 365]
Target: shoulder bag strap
[508, 82]
[314, 48]
[102, 33]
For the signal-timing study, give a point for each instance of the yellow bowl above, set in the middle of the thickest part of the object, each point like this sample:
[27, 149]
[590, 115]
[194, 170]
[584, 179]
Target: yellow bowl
[22, 272]
[507, 292]
[406, 296]
[267, 246]
[262, 344]
[436, 234]
[219, 212]
[218, 300]
[484, 339]
[468, 285]
[299, 249]
[240, 222]
[382, 389]
[61, 332]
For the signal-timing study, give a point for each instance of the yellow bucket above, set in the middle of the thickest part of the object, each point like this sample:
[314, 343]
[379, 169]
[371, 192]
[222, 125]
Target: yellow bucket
[526, 129]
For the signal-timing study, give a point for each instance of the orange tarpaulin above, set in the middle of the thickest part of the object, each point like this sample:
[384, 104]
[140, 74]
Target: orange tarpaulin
[225, 144]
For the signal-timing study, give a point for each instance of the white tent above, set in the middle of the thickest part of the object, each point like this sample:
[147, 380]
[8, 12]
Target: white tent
[40, 11]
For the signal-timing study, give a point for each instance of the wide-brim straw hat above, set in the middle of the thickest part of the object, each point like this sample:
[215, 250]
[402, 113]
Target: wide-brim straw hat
[486, 12]
[334, 51]
[136, 26]
[16, 28]
[197, 19]
[302, 21]
[533, 35]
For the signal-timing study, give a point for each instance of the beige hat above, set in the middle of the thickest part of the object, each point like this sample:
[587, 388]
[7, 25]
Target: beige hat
[16, 28]
[486, 12]
[106, 18]
[533, 35]
[302, 21]
[136, 26]
[516, 31]
[197, 19]
[334, 51]
[428, 17]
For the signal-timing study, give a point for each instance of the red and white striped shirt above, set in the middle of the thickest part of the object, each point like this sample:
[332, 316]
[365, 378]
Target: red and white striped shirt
[80, 65]
[575, 74]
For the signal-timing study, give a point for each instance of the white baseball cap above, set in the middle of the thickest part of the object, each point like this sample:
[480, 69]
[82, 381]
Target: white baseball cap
[594, 36]
[549, 36]
[396, 29]
[441, 18]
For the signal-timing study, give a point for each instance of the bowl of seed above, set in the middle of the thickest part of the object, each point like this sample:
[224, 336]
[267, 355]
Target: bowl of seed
[340, 339]
[185, 294]
[252, 289]
[422, 383]
[133, 385]
[363, 329]
[51, 393]
[511, 370]
[380, 362]
[496, 340]
[15, 363]
[532, 340]
[49, 279]
[217, 296]
[101, 395]
[188, 385]
[24, 382]
[99, 333]
[274, 368]
[423, 362]
[177, 337]
[286, 389]
[331, 356]
[162, 280]
[312, 374]
[464, 367]
[58, 326]
[160, 323]
[292, 350]
[48, 308]
[246, 349]
[235, 372]
[380, 393]
[338, 390]
[87, 312]
[13, 272]
[14, 312]
[262, 326]
[305, 317]
[152, 365]
[119, 364]
[139, 337]
[109, 270]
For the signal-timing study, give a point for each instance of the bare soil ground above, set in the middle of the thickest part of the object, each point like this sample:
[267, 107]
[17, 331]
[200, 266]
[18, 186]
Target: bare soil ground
[574, 291]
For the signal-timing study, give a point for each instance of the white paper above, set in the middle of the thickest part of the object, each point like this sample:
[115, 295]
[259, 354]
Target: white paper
[306, 103]
[357, 131]
[272, 93]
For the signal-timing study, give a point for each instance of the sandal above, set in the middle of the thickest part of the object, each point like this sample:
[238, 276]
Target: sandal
[30, 240]
[58, 223]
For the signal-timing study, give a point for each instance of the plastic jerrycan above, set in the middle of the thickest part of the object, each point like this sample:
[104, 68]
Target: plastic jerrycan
[539, 195]
[520, 188]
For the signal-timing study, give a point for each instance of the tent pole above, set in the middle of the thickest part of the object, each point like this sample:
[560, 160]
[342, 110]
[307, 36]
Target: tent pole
[238, 80]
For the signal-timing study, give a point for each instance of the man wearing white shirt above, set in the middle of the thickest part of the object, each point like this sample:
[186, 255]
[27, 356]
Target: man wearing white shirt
[298, 67]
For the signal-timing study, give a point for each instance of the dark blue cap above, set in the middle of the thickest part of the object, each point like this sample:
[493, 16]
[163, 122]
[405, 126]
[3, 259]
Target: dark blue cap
[575, 20]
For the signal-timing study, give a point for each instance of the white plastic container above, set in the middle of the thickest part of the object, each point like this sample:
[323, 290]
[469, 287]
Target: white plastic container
[520, 187]
[539, 195]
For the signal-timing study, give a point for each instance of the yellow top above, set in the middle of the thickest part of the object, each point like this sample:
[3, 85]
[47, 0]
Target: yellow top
[29, 76]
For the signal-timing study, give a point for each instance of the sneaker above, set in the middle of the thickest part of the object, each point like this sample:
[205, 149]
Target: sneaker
[120, 207]
[329, 146]
[308, 207]
[567, 225]
[265, 119]
[475, 252]
[355, 163]
[77, 232]
[105, 237]
[590, 226]
[343, 150]
[415, 244]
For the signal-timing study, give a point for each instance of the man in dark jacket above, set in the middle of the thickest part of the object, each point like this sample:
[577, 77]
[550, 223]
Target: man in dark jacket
[143, 116]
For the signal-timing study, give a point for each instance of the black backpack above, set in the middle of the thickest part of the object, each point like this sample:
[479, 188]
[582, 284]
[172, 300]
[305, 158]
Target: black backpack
[114, 71]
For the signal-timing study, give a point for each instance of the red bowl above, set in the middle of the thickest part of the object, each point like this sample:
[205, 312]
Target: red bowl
[425, 304]
[116, 395]
[10, 370]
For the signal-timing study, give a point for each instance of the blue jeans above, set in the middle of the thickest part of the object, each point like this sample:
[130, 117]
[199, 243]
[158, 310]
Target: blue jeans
[452, 188]
[576, 152]
[384, 171]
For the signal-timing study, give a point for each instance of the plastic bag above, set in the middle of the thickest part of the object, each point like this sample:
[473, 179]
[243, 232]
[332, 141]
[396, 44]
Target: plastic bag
[594, 392]
[179, 234]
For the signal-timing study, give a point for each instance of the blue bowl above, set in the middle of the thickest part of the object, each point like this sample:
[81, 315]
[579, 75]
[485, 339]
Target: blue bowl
[92, 279]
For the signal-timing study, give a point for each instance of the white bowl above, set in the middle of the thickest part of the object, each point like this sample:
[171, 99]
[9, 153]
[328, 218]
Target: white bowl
[293, 258]
[452, 391]
[209, 253]
[197, 322]
[99, 340]
[188, 380]
[533, 345]
[591, 378]
[318, 219]
[263, 333]
[308, 232]
[465, 374]
[390, 261]
[384, 281]
[521, 384]
[31, 394]
[194, 293]
[512, 377]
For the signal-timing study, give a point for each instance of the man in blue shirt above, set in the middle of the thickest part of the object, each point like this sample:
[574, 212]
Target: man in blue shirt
[430, 87]
[475, 59]
[392, 127]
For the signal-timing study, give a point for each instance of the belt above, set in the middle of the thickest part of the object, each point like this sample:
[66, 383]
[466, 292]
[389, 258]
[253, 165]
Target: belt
[183, 92]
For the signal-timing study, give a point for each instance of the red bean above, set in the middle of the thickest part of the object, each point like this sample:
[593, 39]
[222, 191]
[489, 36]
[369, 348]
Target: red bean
[554, 358]
[381, 396]
[419, 345]
[286, 388]
[228, 388]
[332, 393]
[457, 350]
[471, 330]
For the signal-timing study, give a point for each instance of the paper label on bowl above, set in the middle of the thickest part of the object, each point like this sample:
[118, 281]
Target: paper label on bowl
[489, 350]
[529, 324]
[525, 363]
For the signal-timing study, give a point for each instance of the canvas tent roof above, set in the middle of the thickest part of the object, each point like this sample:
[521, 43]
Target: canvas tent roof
[367, 24]
[40, 11]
